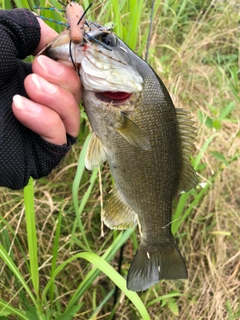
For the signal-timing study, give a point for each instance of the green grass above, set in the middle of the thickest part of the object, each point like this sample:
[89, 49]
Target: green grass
[55, 262]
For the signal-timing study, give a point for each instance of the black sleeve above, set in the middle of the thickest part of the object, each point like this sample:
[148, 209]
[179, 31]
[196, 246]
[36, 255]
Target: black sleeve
[22, 152]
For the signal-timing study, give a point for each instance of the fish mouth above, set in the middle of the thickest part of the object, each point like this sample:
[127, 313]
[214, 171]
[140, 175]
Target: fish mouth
[114, 98]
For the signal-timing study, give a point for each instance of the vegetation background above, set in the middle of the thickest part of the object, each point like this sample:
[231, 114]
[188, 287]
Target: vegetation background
[55, 262]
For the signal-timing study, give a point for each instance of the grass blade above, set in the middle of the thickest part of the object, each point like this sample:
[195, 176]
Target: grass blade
[203, 150]
[106, 298]
[11, 265]
[6, 310]
[69, 314]
[102, 265]
[31, 235]
[106, 268]
[77, 180]
[164, 297]
[55, 252]
[176, 224]
[92, 275]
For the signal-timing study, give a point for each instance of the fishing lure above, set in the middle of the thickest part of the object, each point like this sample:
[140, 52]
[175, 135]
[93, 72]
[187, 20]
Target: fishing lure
[80, 30]
[75, 16]
[75, 19]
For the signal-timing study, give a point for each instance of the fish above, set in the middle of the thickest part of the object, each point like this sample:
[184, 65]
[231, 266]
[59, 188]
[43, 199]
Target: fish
[147, 143]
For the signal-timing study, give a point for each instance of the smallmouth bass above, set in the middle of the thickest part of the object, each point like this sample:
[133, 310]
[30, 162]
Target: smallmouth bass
[146, 141]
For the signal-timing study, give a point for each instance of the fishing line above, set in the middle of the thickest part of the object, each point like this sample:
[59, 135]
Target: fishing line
[170, 223]
[70, 42]
[51, 8]
[70, 53]
[84, 13]
[63, 4]
[120, 260]
[54, 21]
[99, 42]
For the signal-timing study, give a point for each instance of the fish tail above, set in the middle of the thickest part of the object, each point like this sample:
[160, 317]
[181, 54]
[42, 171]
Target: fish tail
[152, 264]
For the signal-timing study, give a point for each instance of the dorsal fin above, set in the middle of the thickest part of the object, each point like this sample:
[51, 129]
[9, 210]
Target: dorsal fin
[188, 179]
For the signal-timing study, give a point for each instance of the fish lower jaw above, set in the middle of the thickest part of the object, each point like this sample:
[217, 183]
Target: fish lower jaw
[113, 98]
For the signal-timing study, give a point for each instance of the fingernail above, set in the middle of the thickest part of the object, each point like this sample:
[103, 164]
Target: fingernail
[25, 104]
[18, 102]
[50, 67]
[42, 85]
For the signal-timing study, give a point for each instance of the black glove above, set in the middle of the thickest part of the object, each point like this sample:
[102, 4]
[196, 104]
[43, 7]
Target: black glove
[22, 152]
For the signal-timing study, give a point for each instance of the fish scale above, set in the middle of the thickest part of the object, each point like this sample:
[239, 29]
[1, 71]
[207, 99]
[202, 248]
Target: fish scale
[147, 143]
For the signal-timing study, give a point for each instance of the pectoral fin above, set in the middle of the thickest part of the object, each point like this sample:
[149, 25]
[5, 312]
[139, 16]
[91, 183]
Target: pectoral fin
[117, 214]
[188, 178]
[95, 153]
[132, 133]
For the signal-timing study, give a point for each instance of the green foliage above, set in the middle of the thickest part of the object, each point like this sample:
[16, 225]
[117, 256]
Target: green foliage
[31, 236]
[219, 116]
[71, 274]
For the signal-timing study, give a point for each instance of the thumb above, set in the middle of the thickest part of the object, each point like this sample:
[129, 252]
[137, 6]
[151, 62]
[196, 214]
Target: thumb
[47, 35]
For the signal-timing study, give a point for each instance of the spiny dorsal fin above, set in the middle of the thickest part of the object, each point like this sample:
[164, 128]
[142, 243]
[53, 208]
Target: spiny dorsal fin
[188, 178]
[132, 133]
[117, 214]
[95, 154]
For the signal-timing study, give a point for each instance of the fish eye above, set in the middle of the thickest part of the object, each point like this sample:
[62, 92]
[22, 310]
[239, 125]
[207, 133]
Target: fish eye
[109, 39]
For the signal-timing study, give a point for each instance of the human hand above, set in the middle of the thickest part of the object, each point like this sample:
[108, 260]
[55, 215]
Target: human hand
[54, 92]
[37, 127]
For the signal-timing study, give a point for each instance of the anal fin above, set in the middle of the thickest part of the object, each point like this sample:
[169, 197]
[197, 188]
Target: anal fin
[117, 214]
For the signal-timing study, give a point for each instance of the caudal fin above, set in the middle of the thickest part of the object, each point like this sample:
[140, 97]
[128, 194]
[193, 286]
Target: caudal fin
[153, 264]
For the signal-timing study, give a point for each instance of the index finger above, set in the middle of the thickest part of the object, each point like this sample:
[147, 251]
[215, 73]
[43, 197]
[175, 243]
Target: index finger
[58, 74]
